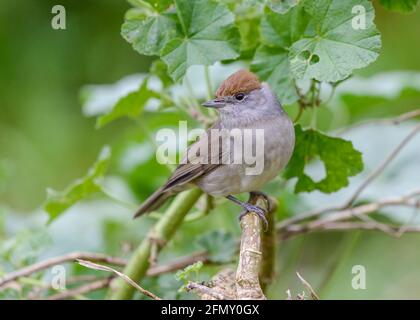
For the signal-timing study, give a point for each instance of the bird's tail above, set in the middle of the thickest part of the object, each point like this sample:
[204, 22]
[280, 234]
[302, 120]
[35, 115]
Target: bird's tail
[153, 202]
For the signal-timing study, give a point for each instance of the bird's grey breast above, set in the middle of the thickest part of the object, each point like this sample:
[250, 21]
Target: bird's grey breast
[271, 142]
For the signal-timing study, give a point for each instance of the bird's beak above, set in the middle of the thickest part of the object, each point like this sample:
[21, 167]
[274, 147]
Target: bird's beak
[215, 103]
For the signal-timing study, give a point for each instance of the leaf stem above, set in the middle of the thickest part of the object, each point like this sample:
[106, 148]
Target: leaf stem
[160, 234]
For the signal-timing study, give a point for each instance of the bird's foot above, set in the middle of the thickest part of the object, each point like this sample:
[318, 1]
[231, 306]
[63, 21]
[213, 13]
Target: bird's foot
[266, 198]
[260, 212]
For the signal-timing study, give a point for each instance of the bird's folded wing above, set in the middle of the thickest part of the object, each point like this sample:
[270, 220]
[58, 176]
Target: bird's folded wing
[199, 159]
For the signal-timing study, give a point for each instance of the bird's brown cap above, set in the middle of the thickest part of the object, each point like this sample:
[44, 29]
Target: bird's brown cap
[241, 81]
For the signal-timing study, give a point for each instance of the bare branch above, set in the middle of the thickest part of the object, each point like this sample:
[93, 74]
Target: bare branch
[126, 278]
[395, 121]
[320, 211]
[60, 259]
[308, 286]
[382, 166]
[179, 263]
[203, 290]
[247, 282]
[89, 287]
[329, 222]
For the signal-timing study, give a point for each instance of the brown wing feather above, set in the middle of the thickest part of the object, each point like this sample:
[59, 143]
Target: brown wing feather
[184, 174]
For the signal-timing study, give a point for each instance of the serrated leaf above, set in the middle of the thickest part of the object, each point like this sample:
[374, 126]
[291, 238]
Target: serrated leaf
[271, 60]
[220, 245]
[282, 6]
[400, 5]
[148, 35]
[208, 35]
[272, 65]
[333, 49]
[130, 105]
[339, 158]
[59, 201]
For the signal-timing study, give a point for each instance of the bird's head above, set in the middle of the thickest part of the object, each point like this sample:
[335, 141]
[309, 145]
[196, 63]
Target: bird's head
[242, 94]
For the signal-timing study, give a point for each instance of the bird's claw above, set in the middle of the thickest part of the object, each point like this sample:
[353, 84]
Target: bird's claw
[258, 211]
[266, 198]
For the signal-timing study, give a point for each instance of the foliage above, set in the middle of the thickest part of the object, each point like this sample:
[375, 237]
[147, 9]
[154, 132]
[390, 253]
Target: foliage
[339, 157]
[187, 273]
[58, 201]
[306, 50]
[219, 244]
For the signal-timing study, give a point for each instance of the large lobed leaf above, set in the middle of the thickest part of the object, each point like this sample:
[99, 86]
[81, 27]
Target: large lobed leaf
[59, 201]
[208, 35]
[333, 48]
[271, 60]
[339, 158]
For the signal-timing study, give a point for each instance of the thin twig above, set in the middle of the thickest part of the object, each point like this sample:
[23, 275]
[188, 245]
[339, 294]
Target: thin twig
[179, 263]
[308, 286]
[60, 259]
[382, 166]
[204, 290]
[126, 278]
[320, 211]
[89, 287]
[395, 121]
[408, 200]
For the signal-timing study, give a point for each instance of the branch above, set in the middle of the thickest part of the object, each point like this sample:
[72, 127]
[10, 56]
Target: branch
[205, 292]
[250, 256]
[308, 286]
[124, 277]
[89, 287]
[395, 121]
[320, 211]
[60, 259]
[179, 263]
[328, 223]
[161, 233]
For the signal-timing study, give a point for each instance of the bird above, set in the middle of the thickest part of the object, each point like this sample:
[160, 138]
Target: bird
[243, 103]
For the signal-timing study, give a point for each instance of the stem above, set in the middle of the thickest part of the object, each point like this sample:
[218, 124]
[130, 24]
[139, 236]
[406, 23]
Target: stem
[160, 234]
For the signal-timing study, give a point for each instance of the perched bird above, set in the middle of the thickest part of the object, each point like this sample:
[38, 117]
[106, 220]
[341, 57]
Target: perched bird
[242, 102]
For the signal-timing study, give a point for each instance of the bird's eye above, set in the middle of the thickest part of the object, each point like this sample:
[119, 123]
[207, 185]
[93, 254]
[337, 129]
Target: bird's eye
[239, 96]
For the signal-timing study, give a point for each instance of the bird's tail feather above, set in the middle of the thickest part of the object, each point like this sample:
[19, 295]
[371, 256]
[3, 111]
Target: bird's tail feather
[153, 202]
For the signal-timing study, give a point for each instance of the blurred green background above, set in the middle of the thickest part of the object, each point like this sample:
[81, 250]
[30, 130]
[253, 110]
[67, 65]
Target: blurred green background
[45, 141]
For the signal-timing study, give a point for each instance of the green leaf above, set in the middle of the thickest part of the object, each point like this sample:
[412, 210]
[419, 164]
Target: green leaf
[208, 35]
[220, 245]
[271, 60]
[154, 5]
[148, 35]
[332, 48]
[282, 6]
[272, 65]
[186, 272]
[59, 201]
[339, 158]
[404, 6]
[129, 106]
[160, 70]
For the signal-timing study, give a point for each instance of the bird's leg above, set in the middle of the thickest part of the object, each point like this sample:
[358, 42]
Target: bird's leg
[250, 208]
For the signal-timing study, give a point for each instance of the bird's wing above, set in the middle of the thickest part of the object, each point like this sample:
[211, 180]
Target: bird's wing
[187, 171]
[194, 163]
